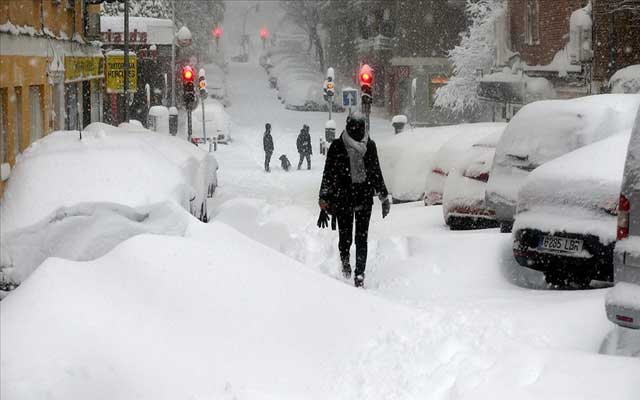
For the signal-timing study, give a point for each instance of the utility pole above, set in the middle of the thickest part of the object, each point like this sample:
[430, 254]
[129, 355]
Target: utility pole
[173, 116]
[126, 61]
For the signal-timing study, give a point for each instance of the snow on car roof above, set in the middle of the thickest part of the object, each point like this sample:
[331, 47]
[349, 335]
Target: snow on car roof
[129, 165]
[544, 130]
[469, 135]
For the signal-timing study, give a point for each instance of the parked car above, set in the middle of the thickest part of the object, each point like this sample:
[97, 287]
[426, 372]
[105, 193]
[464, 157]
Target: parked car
[463, 202]
[623, 301]
[545, 130]
[452, 153]
[217, 123]
[565, 223]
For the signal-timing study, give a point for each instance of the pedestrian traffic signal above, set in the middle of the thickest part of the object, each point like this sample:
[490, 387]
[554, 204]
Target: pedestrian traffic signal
[217, 32]
[202, 84]
[188, 88]
[366, 80]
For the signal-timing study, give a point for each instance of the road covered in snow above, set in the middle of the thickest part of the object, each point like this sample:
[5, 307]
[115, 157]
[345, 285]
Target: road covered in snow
[252, 305]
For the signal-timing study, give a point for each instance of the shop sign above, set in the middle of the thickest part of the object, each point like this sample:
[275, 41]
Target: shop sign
[135, 37]
[436, 82]
[114, 72]
[82, 68]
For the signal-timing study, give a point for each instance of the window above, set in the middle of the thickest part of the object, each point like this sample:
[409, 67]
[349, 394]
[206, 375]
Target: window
[73, 116]
[36, 117]
[4, 140]
[18, 122]
[531, 23]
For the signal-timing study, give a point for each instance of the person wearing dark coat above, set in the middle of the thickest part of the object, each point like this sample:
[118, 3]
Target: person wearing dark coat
[351, 178]
[304, 146]
[267, 143]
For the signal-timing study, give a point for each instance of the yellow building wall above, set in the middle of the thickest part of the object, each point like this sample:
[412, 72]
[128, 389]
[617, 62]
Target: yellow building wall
[43, 13]
[20, 72]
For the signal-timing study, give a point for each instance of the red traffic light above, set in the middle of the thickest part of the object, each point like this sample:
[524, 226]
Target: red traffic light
[264, 33]
[217, 32]
[366, 75]
[187, 74]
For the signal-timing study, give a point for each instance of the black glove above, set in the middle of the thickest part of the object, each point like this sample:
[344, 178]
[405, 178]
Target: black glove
[386, 207]
[323, 219]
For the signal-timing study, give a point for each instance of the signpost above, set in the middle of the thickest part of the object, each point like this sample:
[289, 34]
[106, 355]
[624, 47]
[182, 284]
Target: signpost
[114, 72]
[349, 98]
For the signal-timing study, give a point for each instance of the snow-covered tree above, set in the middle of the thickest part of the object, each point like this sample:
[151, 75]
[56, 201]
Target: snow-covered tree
[306, 14]
[140, 8]
[477, 51]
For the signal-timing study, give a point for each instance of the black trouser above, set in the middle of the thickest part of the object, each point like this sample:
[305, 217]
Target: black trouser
[345, 230]
[302, 157]
[267, 160]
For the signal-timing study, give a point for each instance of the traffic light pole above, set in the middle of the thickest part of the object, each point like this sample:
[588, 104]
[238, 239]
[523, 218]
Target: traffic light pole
[126, 61]
[189, 125]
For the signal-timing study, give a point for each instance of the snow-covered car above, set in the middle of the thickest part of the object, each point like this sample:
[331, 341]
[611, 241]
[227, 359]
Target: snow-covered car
[406, 158]
[127, 165]
[218, 124]
[452, 153]
[623, 301]
[545, 130]
[463, 203]
[565, 223]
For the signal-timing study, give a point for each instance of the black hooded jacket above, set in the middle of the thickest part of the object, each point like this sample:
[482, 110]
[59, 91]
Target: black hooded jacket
[304, 142]
[337, 188]
[267, 142]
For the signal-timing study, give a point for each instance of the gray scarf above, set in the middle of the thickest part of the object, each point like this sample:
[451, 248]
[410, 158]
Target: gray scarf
[356, 151]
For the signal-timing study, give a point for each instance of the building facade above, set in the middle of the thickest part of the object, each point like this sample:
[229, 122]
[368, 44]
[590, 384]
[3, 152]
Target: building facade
[51, 78]
[570, 48]
[406, 43]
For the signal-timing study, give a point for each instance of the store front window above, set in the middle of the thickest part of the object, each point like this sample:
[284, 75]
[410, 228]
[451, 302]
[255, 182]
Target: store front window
[36, 116]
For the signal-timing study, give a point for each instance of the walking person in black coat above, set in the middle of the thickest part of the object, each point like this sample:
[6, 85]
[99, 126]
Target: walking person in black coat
[351, 178]
[304, 146]
[267, 143]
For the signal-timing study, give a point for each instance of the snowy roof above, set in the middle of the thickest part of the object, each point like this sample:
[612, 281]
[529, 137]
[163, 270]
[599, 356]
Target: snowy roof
[159, 31]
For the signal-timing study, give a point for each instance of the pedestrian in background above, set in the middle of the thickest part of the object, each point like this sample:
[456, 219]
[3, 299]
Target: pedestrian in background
[304, 146]
[267, 143]
[352, 176]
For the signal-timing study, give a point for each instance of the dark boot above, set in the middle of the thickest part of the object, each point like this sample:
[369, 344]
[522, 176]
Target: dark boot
[346, 268]
[358, 281]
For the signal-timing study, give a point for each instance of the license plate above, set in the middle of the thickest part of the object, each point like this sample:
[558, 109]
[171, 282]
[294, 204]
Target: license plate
[558, 244]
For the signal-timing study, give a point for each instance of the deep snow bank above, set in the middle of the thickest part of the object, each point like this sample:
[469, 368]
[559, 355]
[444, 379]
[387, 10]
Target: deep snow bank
[127, 165]
[167, 318]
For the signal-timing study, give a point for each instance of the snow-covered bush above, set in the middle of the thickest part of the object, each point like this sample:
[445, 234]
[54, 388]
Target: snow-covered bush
[477, 51]
[626, 80]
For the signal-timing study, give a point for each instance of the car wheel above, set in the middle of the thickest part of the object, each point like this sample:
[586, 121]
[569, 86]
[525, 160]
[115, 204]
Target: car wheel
[506, 226]
[561, 279]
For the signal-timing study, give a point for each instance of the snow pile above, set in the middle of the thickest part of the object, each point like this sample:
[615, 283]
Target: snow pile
[161, 116]
[452, 153]
[200, 310]
[580, 27]
[83, 232]
[626, 80]
[577, 192]
[128, 166]
[399, 119]
[545, 130]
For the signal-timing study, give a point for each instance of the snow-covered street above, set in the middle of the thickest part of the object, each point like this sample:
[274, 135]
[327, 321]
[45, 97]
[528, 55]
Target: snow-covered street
[126, 294]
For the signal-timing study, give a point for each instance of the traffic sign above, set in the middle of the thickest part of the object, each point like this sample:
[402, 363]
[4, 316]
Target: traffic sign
[349, 97]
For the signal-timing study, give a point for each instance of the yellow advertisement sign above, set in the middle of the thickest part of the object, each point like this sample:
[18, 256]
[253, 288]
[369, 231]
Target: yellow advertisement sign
[82, 68]
[114, 72]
